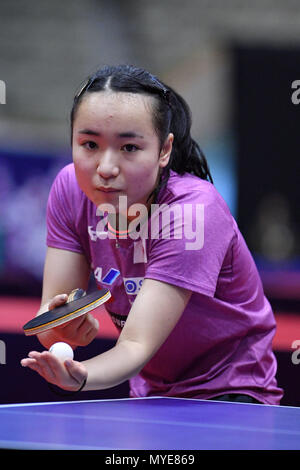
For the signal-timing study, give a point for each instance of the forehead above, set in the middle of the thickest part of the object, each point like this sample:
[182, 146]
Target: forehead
[110, 108]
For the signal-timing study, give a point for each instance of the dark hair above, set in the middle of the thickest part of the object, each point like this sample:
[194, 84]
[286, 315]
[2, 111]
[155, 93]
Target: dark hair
[170, 114]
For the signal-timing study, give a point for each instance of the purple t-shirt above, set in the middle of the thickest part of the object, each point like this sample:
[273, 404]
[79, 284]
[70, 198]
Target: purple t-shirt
[222, 343]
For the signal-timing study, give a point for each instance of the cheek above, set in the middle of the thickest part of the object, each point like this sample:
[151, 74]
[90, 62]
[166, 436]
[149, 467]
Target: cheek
[143, 180]
[83, 174]
[82, 164]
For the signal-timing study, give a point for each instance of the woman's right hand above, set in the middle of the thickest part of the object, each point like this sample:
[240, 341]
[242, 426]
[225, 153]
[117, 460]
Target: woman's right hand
[77, 332]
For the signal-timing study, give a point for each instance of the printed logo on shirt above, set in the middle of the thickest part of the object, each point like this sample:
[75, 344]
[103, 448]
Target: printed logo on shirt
[118, 320]
[109, 277]
[133, 285]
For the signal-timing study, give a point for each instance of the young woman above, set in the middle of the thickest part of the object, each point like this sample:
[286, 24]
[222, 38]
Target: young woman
[186, 297]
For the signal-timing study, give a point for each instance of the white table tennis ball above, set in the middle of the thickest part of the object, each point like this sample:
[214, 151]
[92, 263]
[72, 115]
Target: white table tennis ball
[62, 351]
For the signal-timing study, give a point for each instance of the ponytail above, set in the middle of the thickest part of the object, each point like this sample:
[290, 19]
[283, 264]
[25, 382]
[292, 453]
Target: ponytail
[186, 156]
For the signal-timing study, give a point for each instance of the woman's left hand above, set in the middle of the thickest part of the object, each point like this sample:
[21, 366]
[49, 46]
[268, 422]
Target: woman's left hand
[68, 375]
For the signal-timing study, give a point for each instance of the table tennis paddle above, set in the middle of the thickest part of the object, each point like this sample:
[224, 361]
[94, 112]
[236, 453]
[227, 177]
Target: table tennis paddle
[79, 302]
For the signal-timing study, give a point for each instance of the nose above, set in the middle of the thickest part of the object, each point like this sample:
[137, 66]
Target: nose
[108, 165]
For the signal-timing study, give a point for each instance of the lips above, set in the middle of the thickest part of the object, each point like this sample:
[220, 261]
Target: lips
[108, 190]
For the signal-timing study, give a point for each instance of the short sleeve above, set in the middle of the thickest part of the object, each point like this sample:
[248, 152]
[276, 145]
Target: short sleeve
[191, 255]
[61, 231]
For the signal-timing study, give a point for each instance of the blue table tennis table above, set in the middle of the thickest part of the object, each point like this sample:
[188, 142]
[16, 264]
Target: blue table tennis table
[149, 423]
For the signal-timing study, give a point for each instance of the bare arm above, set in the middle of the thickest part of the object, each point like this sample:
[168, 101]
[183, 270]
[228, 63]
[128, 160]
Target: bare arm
[153, 316]
[64, 271]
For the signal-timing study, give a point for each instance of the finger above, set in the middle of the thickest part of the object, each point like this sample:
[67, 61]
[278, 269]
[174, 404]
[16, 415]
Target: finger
[57, 365]
[58, 300]
[41, 365]
[25, 362]
[49, 372]
[53, 362]
[90, 335]
[94, 322]
[49, 368]
[81, 330]
[89, 327]
[92, 331]
[32, 364]
[28, 362]
[55, 302]
[68, 331]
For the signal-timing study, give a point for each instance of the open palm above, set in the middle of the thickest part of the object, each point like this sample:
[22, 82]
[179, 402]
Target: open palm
[68, 375]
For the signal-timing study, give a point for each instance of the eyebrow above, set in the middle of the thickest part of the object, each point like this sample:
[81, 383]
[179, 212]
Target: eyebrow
[128, 134]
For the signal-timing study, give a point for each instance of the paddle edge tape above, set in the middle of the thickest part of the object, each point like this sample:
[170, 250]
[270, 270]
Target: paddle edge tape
[59, 321]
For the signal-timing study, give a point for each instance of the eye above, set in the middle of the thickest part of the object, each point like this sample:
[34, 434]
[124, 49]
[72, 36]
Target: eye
[130, 148]
[90, 145]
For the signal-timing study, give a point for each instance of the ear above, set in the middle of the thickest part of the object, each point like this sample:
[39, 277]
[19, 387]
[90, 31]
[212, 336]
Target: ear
[165, 153]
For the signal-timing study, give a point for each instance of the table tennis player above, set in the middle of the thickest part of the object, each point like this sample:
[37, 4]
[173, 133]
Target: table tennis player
[192, 315]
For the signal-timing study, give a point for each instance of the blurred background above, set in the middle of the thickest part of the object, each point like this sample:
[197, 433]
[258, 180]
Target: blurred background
[235, 63]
